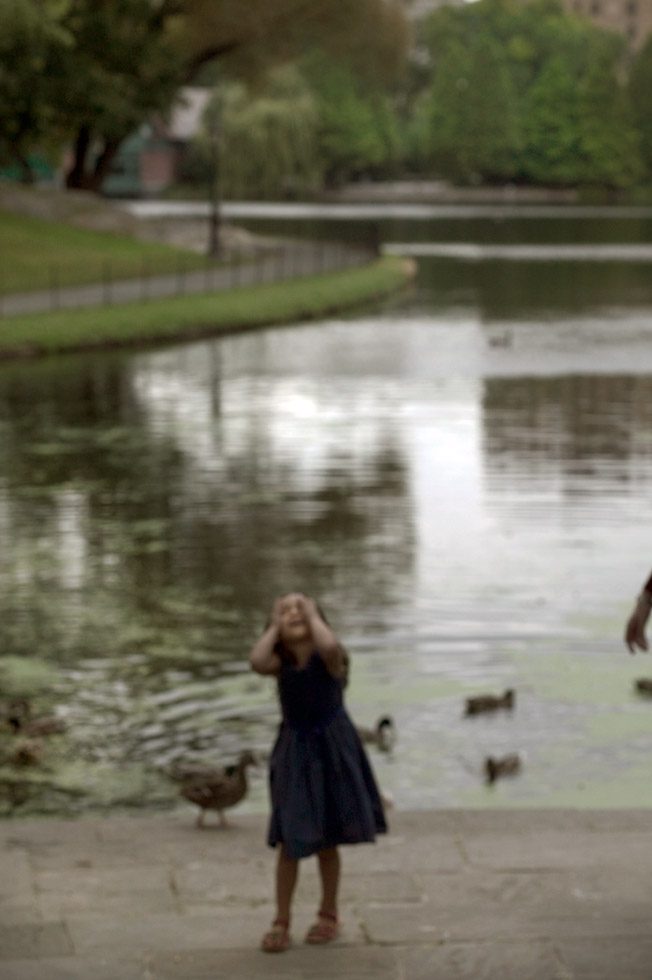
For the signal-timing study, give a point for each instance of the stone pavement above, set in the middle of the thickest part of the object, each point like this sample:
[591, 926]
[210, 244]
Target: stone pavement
[500, 895]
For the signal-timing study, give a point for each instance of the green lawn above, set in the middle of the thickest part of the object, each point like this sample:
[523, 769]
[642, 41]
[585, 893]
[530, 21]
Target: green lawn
[39, 254]
[204, 315]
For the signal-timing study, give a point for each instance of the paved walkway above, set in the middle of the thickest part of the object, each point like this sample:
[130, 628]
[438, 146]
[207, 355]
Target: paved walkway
[499, 895]
[290, 260]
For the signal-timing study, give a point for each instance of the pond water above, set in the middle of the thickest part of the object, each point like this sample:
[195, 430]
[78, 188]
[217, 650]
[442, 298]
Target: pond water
[462, 477]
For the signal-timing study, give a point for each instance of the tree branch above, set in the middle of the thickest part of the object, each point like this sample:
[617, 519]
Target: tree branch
[210, 54]
[290, 14]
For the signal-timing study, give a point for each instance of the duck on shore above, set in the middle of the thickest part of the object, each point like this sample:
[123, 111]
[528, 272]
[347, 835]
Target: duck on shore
[214, 787]
[490, 702]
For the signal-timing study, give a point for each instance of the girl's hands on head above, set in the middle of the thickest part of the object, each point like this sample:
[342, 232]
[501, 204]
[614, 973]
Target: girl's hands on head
[308, 607]
[277, 612]
[262, 656]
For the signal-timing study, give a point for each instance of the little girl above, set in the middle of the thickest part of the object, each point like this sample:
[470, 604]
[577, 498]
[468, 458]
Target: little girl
[322, 788]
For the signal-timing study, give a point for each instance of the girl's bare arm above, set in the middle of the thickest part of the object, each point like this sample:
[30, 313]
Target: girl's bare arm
[262, 657]
[327, 644]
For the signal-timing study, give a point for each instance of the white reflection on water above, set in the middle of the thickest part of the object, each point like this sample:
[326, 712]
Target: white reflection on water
[476, 252]
[281, 418]
[352, 211]
[72, 543]
[509, 560]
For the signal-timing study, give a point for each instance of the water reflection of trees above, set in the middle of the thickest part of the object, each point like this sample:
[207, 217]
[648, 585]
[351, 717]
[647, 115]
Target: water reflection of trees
[571, 426]
[150, 510]
[149, 507]
[508, 290]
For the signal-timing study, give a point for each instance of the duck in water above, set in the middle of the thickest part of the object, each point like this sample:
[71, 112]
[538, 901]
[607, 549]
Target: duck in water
[383, 736]
[490, 702]
[507, 765]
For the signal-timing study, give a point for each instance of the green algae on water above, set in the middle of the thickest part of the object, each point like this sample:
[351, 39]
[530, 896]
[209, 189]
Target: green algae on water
[25, 676]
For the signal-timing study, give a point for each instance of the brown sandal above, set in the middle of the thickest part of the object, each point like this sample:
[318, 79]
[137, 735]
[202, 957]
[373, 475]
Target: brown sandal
[324, 930]
[277, 939]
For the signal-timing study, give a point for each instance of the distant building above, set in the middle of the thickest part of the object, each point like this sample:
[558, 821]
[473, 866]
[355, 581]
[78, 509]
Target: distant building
[633, 18]
[148, 161]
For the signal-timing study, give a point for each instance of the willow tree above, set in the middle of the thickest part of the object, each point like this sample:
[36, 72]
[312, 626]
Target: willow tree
[268, 138]
[473, 132]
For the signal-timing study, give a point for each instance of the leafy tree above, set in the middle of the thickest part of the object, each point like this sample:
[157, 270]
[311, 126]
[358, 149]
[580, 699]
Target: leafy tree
[640, 87]
[358, 127]
[575, 115]
[29, 33]
[528, 33]
[551, 137]
[124, 66]
[473, 133]
[128, 58]
[609, 145]
[526, 91]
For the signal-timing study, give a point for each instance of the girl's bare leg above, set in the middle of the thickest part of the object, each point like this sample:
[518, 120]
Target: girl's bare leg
[287, 872]
[329, 871]
[277, 939]
[326, 927]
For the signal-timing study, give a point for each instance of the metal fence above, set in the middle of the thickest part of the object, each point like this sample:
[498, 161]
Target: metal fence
[191, 274]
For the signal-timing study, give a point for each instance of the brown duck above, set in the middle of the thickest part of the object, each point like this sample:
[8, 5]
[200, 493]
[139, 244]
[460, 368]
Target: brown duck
[18, 716]
[214, 787]
[507, 765]
[26, 752]
[644, 685]
[490, 702]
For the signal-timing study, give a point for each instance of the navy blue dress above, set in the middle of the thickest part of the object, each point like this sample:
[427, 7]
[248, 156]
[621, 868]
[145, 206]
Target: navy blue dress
[323, 791]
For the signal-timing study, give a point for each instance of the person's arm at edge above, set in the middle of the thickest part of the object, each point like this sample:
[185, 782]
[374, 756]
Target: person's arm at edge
[635, 628]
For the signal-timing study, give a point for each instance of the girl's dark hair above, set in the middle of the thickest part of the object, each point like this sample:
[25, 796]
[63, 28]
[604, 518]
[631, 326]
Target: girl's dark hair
[287, 657]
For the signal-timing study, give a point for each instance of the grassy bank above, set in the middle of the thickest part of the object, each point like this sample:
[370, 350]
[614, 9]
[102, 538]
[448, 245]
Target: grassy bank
[204, 315]
[39, 254]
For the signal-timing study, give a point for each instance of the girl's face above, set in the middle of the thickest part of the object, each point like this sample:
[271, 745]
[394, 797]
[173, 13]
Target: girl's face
[294, 627]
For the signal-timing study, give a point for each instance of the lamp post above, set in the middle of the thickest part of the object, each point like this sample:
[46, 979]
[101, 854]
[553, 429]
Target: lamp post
[213, 127]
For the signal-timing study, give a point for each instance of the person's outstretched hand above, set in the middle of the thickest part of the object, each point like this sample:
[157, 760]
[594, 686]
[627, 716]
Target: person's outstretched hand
[635, 637]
